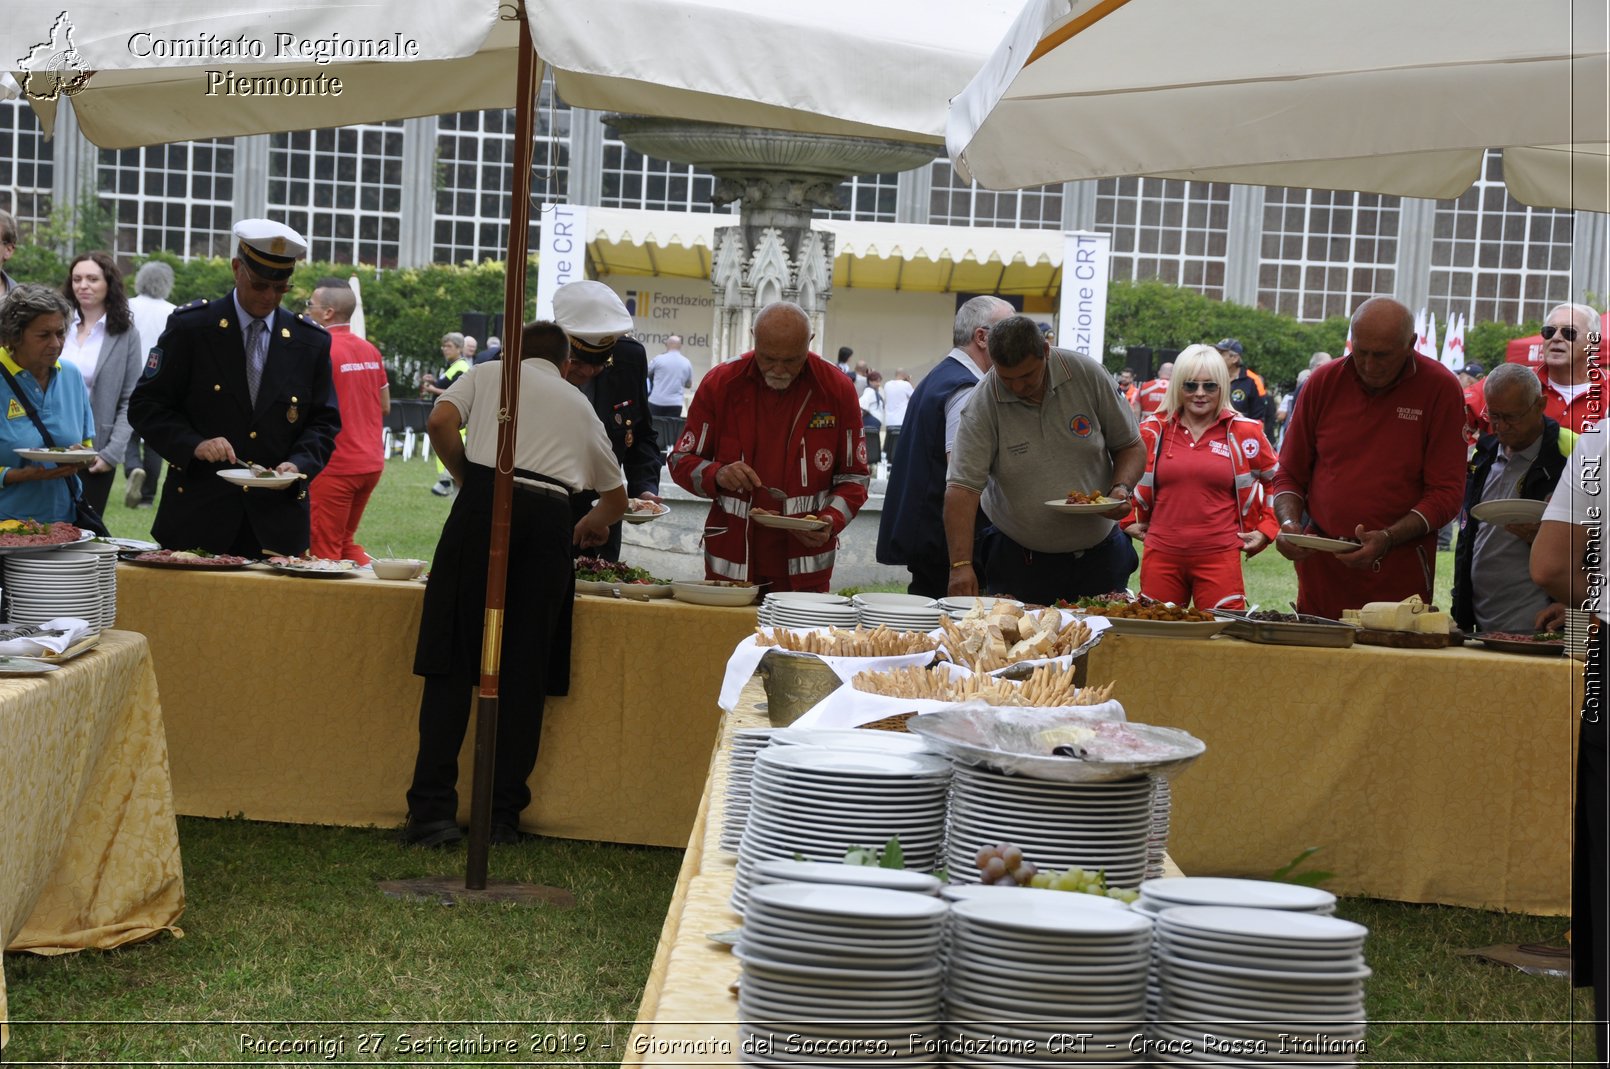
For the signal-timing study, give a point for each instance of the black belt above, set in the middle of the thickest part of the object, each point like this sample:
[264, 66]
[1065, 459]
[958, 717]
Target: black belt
[536, 483]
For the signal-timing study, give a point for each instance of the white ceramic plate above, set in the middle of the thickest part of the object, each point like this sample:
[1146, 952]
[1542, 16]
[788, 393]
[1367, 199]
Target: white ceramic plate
[59, 456]
[805, 598]
[849, 763]
[1275, 923]
[647, 516]
[789, 523]
[982, 891]
[1227, 891]
[245, 477]
[1327, 545]
[1049, 916]
[851, 739]
[713, 592]
[858, 875]
[1089, 509]
[644, 591]
[1509, 510]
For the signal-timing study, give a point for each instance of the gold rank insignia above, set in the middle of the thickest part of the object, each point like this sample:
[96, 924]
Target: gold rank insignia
[291, 415]
[628, 433]
[285, 332]
[223, 324]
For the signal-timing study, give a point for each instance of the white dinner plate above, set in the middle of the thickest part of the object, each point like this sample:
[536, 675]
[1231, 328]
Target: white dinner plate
[1326, 545]
[1050, 917]
[644, 591]
[851, 739]
[1509, 510]
[713, 592]
[317, 573]
[860, 875]
[789, 523]
[1228, 891]
[1088, 509]
[647, 516]
[804, 597]
[1270, 923]
[268, 481]
[59, 456]
[848, 763]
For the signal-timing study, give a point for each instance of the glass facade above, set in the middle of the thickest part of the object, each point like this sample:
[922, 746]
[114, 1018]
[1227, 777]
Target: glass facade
[1167, 229]
[952, 202]
[26, 162]
[1325, 252]
[178, 197]
[341, 188]
[871, 198]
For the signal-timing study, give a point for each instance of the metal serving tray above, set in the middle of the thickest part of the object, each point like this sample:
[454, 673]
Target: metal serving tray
[1310, 631]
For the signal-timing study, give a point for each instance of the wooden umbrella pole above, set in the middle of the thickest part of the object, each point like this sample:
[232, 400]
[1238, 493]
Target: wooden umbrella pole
[497, 572]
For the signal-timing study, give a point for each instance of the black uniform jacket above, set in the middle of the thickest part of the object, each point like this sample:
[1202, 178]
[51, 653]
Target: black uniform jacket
[194, 388]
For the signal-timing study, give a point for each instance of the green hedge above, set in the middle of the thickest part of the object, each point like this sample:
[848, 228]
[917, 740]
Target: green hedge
[407, 311]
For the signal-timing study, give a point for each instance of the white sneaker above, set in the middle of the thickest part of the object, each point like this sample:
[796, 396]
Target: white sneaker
[131, 496]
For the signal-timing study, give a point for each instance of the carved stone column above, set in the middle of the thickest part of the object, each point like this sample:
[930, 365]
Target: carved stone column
[779, 179]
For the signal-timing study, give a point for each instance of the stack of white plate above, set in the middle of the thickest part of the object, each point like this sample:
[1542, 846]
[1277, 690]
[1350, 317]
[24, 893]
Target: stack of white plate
[975, 892]
[1238, 980]
[1058, 825]
[49, 585]
[785, 870]
[1162, 810]
[1175, 892]
[746, 742]
[800, 610]
[851, 739]
[839, 976]
[958, 607]
[898, 612]
[816, 803]
[1577, 624]
[1025, 972]
[106, 571]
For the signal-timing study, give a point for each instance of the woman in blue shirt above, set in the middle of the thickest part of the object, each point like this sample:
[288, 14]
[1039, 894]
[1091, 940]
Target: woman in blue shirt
[33, 329]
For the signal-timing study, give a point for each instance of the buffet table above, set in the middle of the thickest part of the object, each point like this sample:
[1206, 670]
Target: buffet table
[293, 699]
[1423, 775]
[89, 857]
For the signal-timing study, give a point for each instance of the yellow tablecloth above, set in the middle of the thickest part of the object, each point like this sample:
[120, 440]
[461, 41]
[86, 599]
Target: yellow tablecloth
[1423, 775]
[294, 699]
[89, 857]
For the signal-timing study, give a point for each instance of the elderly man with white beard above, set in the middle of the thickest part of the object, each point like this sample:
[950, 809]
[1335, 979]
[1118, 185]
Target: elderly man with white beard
[777, 429]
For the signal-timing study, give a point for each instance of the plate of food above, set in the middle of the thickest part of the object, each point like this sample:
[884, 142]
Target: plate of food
[1157, 619]
[1083, 502]
[1060, 745]
[596, 575]
[28, 536]
[1509, 510]
[714, 592]
[185, 558]
[642, 510]
[313, 567]
[1537, 643]
[1319, 542]
[60, 454]
[259, 477]
[807, 522]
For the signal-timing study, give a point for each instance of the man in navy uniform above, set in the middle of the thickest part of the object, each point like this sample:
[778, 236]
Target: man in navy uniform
[612, 370]
[233, 383]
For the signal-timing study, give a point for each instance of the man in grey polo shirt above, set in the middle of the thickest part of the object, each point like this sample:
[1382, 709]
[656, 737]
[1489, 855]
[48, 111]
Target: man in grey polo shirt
[1042, 422]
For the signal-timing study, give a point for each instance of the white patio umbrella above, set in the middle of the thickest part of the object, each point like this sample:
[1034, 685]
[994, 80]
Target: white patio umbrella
[1378, 95]
[834, 66]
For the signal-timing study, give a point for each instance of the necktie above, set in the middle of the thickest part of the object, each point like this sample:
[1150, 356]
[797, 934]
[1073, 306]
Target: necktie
[256, 356]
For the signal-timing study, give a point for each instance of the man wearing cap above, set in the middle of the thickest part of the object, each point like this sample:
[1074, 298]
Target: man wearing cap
[1475, 402]
[233, 383]
[781, 417]
[612, 370]
[1247, 391]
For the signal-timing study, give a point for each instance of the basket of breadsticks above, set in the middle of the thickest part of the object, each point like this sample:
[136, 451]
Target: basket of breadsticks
[992, 639]
[1047, 686]
[837, 642]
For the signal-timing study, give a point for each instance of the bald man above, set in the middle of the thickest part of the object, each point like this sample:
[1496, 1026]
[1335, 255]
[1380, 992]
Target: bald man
[1374, 456]
[778, 418]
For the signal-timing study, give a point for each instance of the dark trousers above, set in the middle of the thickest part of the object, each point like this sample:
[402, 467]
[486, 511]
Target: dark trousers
[1590, 870]
[1043, 578]
[444, 714]
[665, 411]
[97, 488]
[141, 455]
[891, 442]
[874, 443]
[929, 580]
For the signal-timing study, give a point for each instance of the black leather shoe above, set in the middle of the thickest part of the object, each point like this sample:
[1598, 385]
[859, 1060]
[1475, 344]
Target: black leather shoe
[432, 833]
[506, 835]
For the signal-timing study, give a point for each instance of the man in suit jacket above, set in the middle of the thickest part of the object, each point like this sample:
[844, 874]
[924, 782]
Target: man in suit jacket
[612, 370]
[235, 382]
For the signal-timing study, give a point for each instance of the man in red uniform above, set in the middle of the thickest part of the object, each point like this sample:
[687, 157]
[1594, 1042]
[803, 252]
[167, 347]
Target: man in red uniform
[1374, 455]
[338, 496]
[1152, 391]
[1572, 344]
[1470, 382]
[779, 417]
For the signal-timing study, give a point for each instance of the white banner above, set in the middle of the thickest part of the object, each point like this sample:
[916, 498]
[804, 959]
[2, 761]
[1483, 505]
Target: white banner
[1082, 314]
[563, 255]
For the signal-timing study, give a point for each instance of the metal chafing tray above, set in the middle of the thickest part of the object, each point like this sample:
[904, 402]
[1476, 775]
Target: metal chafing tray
[1307, 631]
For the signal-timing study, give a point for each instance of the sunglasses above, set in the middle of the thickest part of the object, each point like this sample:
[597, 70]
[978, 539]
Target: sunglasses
[1191, 386]
[1568, 333]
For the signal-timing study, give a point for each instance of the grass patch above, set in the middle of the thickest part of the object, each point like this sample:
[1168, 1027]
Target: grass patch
[285, 924]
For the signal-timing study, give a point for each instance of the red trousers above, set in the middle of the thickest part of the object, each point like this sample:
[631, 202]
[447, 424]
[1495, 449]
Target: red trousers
[336, 504]
[1207, 580]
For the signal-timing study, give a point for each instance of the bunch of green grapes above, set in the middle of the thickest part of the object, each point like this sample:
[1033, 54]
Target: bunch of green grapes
[1005, 866]
[1077, 879]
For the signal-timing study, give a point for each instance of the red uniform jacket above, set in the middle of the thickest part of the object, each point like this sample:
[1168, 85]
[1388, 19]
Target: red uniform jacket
[1252, 458]
[815, 453]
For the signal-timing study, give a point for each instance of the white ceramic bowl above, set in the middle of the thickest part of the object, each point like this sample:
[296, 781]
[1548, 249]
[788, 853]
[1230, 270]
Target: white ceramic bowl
[397, 567]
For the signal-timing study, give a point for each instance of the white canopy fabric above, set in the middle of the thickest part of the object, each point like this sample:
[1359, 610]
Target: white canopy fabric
[885, 256]
[1379, 95]
[834, 66]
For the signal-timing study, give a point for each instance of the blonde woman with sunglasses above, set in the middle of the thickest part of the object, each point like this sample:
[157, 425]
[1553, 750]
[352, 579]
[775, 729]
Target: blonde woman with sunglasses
[1201, 503]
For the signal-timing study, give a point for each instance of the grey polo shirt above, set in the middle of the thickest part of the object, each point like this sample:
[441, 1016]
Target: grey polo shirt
[1021, 455]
